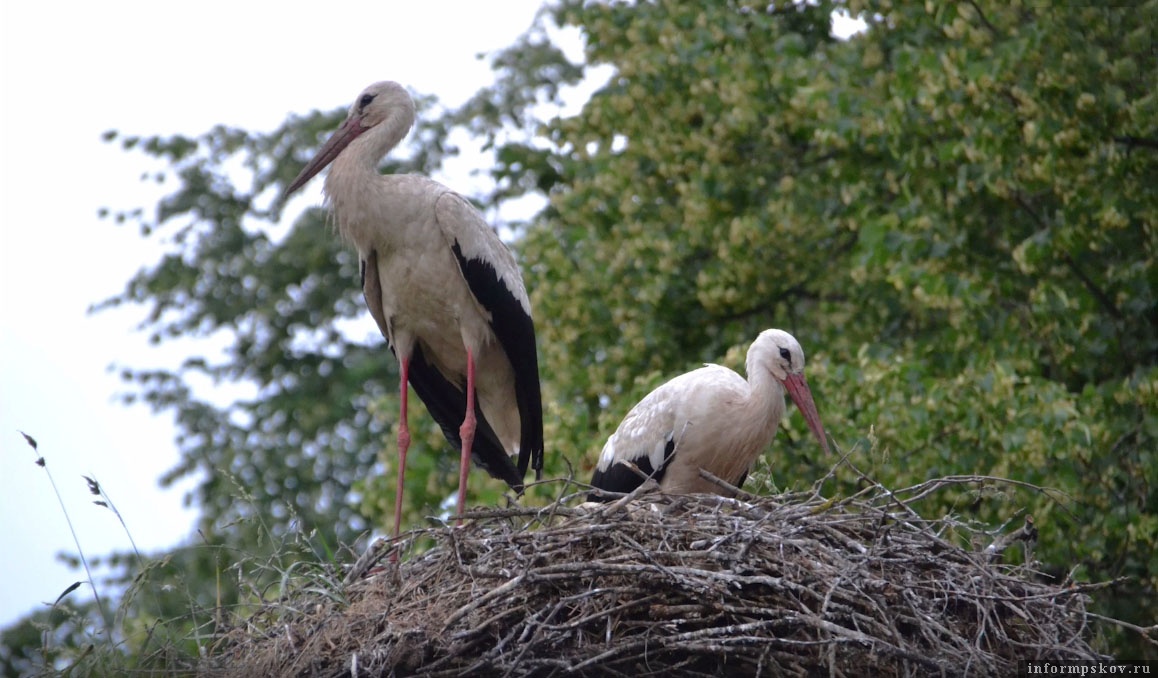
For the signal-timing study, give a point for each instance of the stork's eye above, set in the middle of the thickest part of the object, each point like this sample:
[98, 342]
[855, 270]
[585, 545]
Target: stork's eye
[786, 355]
[365, 100]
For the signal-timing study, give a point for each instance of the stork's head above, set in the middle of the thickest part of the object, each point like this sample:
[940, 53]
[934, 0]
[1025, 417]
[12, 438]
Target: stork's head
[382, 114]
[380, 102]
[779, 354]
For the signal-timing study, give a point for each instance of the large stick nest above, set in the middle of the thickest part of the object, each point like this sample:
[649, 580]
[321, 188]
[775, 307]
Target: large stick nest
[791, 585]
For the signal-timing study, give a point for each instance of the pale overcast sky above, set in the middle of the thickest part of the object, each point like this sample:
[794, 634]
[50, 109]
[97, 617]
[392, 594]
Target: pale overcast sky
[73, 71]
[70, 72]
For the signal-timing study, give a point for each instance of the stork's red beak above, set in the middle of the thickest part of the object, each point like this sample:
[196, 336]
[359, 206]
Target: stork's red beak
[802, 395]
[338, 141]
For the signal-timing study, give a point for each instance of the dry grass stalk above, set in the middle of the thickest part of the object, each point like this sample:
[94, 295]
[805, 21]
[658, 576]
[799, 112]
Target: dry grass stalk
[789, 585]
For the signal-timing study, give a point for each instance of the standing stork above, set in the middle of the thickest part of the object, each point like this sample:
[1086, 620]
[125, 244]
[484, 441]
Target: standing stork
[710, 418]
[445, 292]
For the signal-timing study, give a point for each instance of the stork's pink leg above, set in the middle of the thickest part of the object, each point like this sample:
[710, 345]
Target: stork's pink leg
[466, 433]
[403, 444]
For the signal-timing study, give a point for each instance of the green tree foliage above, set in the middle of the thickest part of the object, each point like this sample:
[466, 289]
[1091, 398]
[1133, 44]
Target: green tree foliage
[953, 212]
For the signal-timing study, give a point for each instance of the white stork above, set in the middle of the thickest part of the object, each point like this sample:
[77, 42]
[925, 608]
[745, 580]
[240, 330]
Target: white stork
[710, 418]
[445, 291]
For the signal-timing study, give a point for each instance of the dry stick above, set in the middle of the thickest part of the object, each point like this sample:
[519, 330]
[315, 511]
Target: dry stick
[1069, 591]
[371, 557]
[1150, 633]
[516, 629]
[482, 600]
[646, 487]
[922, 490]
[1026, 533]
[876, 643]
[726, 486]
[577, 623]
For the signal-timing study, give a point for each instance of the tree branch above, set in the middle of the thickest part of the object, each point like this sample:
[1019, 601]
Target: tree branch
[1098, 293]
[981, 15]
[1132, 141]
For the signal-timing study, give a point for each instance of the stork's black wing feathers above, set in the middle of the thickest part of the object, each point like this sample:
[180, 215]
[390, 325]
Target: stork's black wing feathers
[445, 402]
[622, 478]
[516, 333]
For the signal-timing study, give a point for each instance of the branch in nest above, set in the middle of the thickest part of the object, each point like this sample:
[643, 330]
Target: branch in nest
[367, 560]
[731, 489]
[1150, 633]
[648, 485]
[1027, 534]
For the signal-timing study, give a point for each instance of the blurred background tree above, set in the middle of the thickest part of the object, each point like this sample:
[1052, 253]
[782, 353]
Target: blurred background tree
[953, 211]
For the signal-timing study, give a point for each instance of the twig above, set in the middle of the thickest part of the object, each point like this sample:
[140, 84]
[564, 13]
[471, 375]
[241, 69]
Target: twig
[1027, 533]
[729, 488]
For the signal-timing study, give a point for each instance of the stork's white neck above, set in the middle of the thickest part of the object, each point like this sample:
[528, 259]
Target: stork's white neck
[763, 405]
[355, 169]
[359, 161]
[354, 187]
[765, 396]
